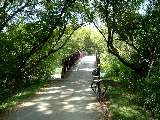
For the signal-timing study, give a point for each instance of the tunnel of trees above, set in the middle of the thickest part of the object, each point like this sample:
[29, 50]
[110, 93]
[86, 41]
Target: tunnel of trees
[35, 35]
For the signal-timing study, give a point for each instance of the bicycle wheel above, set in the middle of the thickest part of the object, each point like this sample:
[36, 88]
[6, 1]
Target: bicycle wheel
[96, 89]
[98, 92]
[93, 86]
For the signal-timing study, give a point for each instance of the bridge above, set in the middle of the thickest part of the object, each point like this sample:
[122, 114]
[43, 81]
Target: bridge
[70, 98]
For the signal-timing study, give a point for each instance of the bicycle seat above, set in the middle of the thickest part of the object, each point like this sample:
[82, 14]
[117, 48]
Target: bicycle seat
[97, 80]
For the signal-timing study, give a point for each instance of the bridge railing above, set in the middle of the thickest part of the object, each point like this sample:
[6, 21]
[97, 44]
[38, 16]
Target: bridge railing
[69, 61]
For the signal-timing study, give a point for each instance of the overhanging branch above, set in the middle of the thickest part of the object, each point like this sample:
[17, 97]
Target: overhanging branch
[52, 51]
[12, 15]
[39, 46]
[93, 21]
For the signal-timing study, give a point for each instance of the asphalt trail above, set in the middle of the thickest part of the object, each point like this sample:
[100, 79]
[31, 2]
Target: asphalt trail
[67, 99]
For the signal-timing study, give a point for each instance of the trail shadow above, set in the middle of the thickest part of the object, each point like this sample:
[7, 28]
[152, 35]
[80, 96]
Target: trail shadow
[58, 102]
[63, 99]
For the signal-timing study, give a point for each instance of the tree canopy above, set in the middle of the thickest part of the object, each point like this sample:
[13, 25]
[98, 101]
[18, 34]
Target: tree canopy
[131, 37]
[34, 34]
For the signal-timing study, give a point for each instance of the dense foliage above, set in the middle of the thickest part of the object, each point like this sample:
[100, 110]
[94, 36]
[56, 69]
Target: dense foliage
[31, 32]
[132, 38]
[35, 36]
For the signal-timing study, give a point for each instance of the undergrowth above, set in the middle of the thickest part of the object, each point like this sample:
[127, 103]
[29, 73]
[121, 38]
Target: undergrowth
[122, 105]
[139, 98]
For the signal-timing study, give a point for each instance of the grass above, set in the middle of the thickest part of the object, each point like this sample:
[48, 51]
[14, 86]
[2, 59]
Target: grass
[19, 97]
[26, 93]
[122, 105]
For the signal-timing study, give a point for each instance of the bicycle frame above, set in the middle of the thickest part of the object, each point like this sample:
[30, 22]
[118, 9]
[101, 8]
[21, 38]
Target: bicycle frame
[95, 86]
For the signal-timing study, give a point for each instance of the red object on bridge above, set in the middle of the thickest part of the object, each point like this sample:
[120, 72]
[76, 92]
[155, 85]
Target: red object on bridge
[69, 61]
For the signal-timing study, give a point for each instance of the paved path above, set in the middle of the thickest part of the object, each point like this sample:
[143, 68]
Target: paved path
[68, 99]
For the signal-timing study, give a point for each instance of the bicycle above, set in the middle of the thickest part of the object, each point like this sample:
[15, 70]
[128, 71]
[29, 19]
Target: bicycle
[98, 88]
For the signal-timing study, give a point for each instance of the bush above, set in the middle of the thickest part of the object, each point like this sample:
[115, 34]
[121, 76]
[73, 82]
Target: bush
[148, 92]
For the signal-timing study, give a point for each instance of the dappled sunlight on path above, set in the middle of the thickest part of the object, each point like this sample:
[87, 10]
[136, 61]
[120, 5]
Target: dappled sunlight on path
[67, 99]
